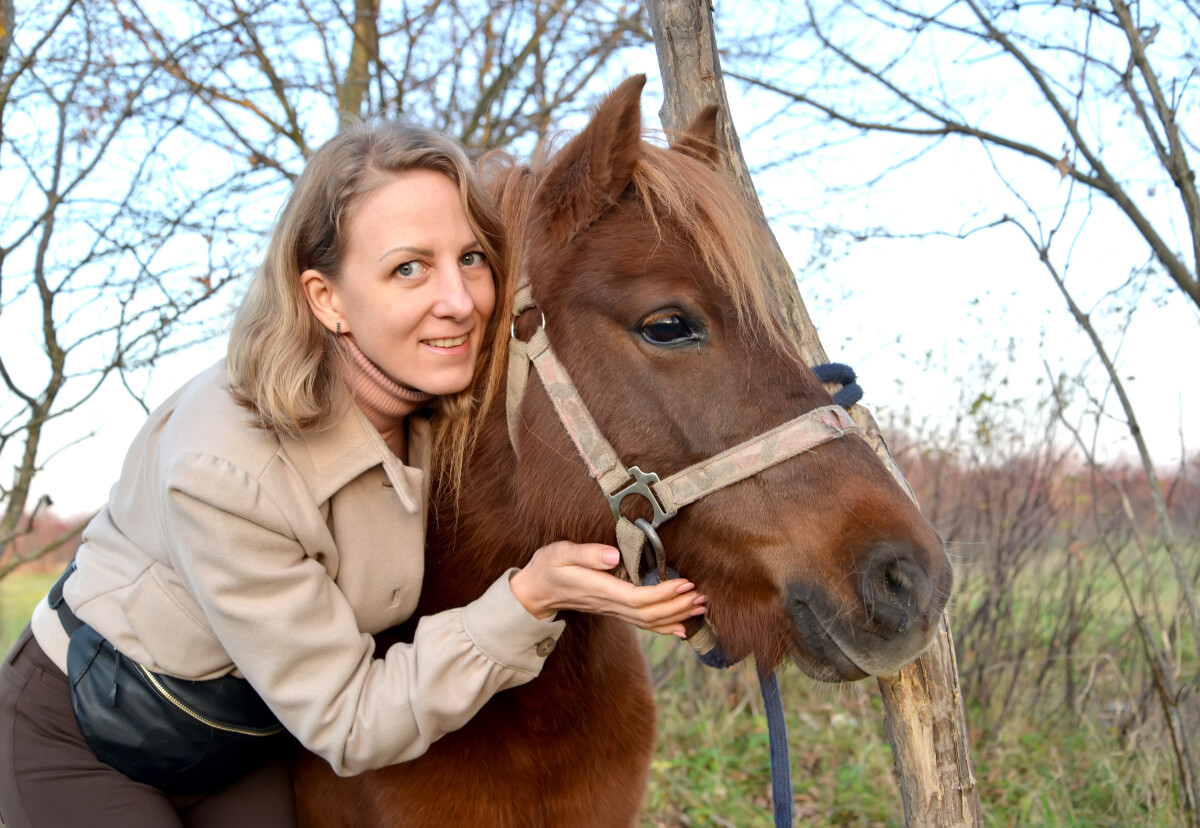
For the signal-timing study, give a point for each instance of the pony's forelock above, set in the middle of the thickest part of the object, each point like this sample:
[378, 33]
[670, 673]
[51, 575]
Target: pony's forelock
[681, 194]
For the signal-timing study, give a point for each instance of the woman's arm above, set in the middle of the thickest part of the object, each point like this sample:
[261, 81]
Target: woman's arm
[294, 636]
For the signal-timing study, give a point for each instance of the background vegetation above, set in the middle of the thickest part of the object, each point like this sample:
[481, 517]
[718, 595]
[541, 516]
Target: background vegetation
[1065, 726]
[144, 149]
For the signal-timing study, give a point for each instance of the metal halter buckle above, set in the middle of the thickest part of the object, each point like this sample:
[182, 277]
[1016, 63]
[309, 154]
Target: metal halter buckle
[642, 481]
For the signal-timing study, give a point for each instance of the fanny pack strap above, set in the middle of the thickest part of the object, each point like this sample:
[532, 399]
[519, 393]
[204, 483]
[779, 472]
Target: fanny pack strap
[59, 605]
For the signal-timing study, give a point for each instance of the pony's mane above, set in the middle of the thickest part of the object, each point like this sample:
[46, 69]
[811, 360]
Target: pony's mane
[677, 192]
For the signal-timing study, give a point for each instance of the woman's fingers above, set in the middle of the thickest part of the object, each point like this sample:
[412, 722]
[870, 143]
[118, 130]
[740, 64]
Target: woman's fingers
[650, 607]
[677, 630]
[574, 576]
[590, 555]
[656, 593]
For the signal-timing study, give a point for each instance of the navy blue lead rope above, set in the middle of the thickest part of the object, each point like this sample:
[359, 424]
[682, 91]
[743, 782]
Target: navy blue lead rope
[781, 764]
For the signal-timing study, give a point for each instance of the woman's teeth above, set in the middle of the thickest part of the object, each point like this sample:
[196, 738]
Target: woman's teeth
[448, 343]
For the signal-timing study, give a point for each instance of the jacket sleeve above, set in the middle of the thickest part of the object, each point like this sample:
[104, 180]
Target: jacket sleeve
[292, 633]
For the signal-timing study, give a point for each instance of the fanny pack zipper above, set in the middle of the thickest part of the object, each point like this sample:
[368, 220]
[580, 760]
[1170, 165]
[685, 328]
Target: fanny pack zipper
[200, 717]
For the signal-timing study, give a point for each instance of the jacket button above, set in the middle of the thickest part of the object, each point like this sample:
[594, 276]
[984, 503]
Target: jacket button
[545, 646]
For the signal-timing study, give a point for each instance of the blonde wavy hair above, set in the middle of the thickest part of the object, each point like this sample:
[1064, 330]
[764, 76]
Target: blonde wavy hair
[283, 364]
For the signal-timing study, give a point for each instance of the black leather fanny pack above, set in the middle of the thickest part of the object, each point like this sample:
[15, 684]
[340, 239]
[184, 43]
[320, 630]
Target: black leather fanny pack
[181, 736]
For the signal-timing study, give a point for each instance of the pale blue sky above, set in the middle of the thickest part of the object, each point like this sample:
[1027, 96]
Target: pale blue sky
[913, 316]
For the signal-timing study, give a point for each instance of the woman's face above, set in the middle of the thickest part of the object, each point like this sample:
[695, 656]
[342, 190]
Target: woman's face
[415, 291]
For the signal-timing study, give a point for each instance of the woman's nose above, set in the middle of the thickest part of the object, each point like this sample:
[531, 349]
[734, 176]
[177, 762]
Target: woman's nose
[453, 300]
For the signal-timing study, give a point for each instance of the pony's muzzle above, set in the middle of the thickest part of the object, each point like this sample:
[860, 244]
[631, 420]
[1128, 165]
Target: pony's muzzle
[886, 619]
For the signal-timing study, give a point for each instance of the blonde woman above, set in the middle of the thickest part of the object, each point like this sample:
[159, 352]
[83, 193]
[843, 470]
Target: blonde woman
[270, 517]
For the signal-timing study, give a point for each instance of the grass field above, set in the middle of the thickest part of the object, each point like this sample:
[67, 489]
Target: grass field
[712, 767]
[18, 594]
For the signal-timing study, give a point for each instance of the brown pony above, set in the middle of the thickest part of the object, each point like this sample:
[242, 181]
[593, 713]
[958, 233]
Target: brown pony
[644, 263]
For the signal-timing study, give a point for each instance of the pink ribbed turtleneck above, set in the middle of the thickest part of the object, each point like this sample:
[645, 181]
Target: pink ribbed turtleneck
[384, 401]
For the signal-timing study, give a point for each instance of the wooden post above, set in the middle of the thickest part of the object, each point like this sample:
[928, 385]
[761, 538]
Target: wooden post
[923, 706]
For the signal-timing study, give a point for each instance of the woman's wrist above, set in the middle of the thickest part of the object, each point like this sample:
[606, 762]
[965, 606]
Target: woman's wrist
[523, 584]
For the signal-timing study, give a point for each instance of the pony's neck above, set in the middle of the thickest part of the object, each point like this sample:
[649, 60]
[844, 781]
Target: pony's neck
[472, 542]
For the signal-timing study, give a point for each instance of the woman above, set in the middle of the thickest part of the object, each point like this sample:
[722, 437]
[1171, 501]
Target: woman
[270, 515]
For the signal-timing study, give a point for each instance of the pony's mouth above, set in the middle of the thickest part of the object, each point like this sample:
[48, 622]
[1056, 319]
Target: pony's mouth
[816, 652]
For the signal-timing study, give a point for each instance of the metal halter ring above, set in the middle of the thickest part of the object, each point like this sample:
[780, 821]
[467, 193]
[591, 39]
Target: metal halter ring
[657, 556]
[512, 328]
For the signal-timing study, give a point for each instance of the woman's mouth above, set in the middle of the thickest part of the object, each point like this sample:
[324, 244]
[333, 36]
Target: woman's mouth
[448, 342]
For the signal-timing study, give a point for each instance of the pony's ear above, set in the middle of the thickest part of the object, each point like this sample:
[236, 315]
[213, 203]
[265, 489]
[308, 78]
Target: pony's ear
[699, 140]
[595, 167]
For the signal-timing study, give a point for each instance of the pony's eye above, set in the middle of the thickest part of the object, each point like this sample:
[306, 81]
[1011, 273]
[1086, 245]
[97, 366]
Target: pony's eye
[667, 328]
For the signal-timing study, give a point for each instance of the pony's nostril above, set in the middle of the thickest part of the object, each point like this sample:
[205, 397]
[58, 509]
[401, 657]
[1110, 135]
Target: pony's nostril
[892, 592]
[894, 577]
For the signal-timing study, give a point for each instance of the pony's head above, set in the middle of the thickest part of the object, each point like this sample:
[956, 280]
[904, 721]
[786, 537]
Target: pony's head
[645, 264]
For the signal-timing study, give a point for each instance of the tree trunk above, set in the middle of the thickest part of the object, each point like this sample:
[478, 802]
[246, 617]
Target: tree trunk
[923, 706]
[8, 22]
[364, 51]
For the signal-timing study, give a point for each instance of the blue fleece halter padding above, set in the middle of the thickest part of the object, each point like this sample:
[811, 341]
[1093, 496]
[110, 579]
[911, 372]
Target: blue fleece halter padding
[850, 392]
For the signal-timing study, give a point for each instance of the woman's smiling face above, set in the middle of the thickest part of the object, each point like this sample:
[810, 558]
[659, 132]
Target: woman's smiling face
[415, 291]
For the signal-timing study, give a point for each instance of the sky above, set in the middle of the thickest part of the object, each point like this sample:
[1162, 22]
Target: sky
[917, 318]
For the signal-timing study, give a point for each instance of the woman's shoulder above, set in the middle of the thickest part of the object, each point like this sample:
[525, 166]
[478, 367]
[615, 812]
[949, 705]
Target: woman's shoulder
[203, 418]
[202, 438]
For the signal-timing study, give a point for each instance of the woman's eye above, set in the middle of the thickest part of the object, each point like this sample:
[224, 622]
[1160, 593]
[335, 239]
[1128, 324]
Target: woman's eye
[409, 269]
[667, 328]
[473, 258]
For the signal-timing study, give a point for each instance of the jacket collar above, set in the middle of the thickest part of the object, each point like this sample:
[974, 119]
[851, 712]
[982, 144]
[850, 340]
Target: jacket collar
[329, 457]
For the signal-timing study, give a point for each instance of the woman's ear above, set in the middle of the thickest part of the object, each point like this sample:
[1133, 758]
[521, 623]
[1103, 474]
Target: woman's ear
[322, 300]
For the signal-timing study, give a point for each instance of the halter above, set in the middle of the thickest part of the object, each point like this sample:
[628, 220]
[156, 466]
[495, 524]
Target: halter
[667, 496]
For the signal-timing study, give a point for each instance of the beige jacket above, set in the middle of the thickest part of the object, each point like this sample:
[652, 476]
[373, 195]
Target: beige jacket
[223, 544]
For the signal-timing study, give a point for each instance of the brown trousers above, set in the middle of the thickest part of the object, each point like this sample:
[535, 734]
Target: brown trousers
[50, 778]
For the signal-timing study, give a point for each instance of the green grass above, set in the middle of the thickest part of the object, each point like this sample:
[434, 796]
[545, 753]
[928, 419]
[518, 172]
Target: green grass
[712, 766]
[18, 593]
[1039, 765]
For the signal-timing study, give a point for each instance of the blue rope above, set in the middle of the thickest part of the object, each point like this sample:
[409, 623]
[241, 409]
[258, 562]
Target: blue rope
[781, 765]
[850, 392]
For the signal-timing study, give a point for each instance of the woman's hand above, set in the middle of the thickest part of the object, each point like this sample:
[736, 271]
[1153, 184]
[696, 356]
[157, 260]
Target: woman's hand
[573, 576]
